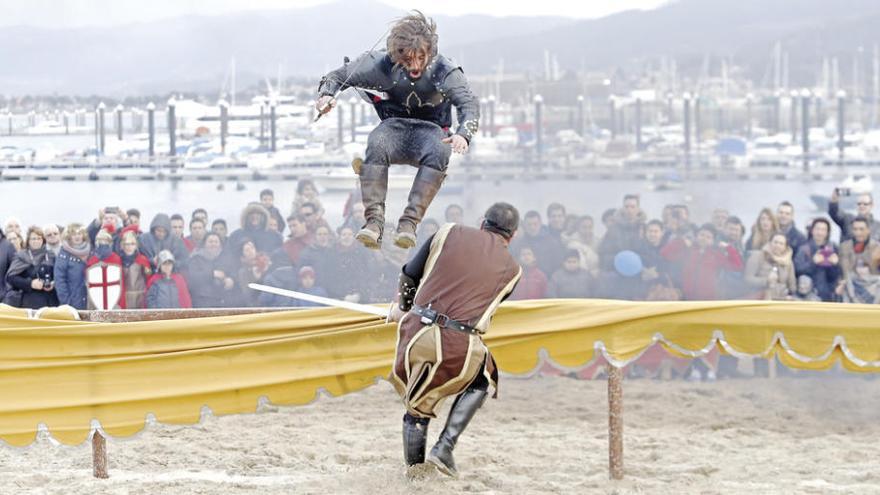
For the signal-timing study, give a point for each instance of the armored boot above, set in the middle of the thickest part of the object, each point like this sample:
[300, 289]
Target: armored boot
[463, 409]
[424, 188]
[415, 436]
[374, 187]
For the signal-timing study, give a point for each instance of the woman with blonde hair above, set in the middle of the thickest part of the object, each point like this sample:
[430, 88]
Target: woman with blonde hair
[70, 267]
[765, 226]
[14, 238]
[135, 272]
[771, 272]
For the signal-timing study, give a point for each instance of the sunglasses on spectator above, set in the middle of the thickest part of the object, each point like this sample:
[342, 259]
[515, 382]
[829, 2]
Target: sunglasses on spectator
[861, 203]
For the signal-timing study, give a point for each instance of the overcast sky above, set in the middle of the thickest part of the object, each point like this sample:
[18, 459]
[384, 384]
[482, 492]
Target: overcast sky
[74, 13]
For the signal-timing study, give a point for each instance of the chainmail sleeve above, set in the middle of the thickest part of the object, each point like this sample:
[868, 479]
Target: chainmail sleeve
[467, 105]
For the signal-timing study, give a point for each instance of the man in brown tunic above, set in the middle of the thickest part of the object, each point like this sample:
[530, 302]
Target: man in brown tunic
[448, 293]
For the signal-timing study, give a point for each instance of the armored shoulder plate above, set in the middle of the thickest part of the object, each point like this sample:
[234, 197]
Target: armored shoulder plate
[439, 68]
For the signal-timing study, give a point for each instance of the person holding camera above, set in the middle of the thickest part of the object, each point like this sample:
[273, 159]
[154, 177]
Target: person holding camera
[110, 219]
[819, 259]
[864, 205]
[32, 274]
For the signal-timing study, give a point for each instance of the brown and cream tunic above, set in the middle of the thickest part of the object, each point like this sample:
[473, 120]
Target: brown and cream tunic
[467, 274]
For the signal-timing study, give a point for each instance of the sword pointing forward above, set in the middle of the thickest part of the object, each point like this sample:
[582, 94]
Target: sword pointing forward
[361, 308]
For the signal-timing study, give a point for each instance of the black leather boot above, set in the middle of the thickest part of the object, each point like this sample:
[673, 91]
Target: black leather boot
[415, 437]
[424, 188]
[374, 187]
[461, 413]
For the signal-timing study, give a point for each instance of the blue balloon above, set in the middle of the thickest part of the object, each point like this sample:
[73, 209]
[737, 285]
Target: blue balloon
[628, 263]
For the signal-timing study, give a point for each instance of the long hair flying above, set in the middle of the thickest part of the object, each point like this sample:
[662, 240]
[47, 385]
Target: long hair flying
[412, 33]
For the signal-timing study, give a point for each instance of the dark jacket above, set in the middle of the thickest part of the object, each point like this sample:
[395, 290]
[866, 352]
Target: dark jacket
[565, 284]
[549, 250]
[169, 292]
[388, 88]
[824, 275]
[795, 238]
[279, 218]
[150, 245]
[844, 221]
[70, 279]
[7, 253]
[26, 266]
[623, 235]
[206, 290]
[266, 241]
[286, 277]
[323, 260]
[348, 271]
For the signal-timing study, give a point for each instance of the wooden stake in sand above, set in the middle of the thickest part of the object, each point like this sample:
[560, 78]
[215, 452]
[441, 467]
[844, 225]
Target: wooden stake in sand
[99, 443]
[615, 421]
[99, 456]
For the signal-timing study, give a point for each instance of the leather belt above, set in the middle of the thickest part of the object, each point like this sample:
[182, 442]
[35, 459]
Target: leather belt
[429, 316]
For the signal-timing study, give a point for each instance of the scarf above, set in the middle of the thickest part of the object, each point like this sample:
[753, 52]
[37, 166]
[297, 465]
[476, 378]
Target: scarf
[128, 259]
[782, 260]
[204, 253]
[81, 251]
[26, 258]
[859, 247]
[102, 251]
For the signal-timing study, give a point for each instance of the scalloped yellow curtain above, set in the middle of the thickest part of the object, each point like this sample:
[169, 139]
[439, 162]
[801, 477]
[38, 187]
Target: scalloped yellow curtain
[65, 373]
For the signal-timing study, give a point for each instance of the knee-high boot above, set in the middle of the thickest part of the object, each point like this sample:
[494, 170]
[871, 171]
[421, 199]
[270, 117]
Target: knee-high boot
[424, 188]
[374, 188]
[415, 436]
[461, 413]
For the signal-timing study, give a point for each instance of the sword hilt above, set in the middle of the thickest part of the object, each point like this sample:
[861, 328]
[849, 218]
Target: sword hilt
[324, 109]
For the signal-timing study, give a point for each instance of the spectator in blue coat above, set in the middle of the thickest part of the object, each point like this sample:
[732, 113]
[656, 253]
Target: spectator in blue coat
[70, 267]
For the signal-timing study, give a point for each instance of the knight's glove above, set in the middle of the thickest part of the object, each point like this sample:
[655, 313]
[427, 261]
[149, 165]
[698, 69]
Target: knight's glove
[406, 291]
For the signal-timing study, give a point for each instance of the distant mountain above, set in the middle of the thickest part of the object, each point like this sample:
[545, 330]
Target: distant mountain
[193, 53]
[688, 30]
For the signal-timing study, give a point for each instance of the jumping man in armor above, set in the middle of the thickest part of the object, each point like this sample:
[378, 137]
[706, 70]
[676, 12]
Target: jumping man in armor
[412, 88]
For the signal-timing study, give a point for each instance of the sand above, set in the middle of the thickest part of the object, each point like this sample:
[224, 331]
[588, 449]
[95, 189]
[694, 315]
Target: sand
[546, 434]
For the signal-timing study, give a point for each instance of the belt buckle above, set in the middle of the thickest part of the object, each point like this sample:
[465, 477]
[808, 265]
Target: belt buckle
[441, 320]
[428, 316]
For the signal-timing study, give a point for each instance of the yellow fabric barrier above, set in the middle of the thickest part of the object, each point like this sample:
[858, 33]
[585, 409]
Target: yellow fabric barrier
[66, 373]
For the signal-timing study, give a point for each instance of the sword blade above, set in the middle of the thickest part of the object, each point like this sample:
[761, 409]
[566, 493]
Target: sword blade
[361, 308]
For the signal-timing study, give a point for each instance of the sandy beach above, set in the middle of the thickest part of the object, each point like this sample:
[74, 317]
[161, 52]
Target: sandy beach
[546, 434]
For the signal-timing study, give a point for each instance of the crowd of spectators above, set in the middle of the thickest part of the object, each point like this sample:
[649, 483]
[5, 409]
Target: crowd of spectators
[116, 261]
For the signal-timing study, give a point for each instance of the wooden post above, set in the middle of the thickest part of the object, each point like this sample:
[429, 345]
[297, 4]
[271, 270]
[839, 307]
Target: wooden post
[615, 421]
[99, 456]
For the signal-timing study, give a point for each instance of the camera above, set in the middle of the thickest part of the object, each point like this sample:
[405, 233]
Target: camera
[844, 191]
[45, 273]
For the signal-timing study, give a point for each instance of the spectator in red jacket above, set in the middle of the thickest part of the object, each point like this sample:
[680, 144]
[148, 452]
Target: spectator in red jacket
[167, 289]
[702, 261]
[533, 283]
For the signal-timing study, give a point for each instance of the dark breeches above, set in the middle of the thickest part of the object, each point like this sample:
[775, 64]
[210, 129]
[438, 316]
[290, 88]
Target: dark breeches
[409, 142]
